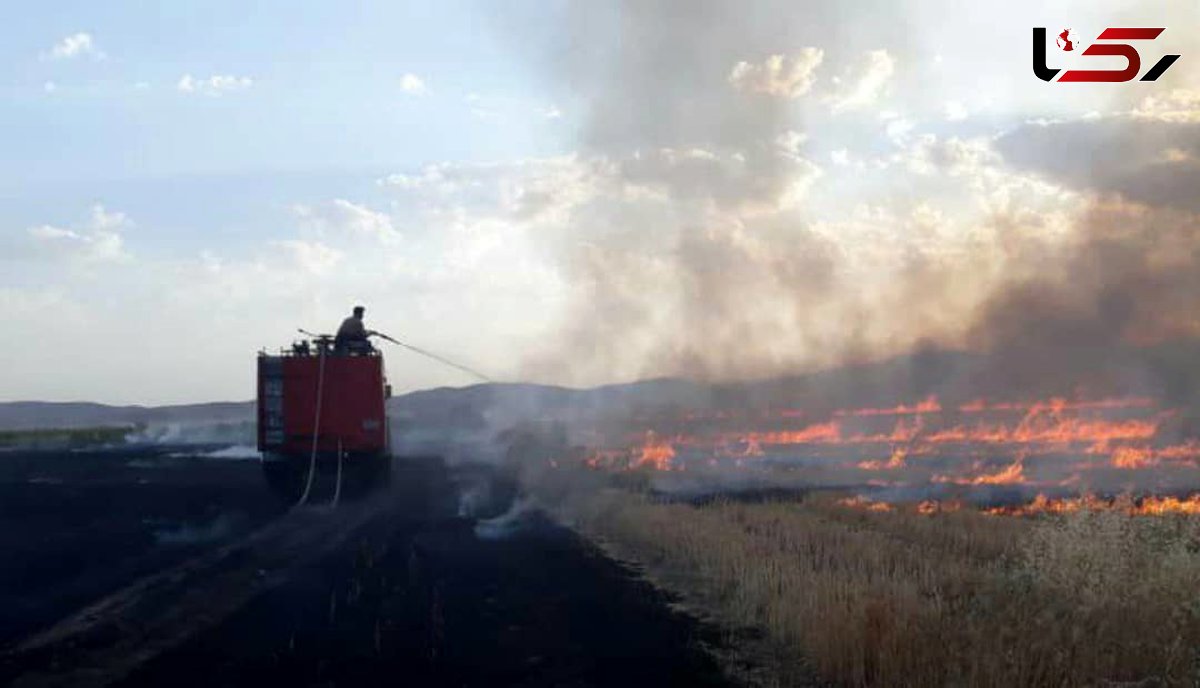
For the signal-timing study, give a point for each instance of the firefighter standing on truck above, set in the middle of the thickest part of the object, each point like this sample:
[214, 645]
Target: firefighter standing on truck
[352, 335]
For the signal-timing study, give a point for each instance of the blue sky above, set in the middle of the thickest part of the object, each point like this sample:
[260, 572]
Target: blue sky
[542, 189]
[326, 90]
[326, 113]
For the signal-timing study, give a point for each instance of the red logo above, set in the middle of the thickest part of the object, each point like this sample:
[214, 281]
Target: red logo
[1066, 41]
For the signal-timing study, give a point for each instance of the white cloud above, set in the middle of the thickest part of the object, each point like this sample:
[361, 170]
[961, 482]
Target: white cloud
[342, 216]
[214, 85]
[412, 84]
[76, 45]
[528, 190]
[789, 142]
[99, 241]
[102, 219]
[956, 111]
[430, 175]
[437, 179]
[784, 76]
[1178, 105]
[863, 83]
[552, 112]
[311, 256]
[898, 129]
[548, 190]
[926, 154]
[694, 177]
[49, 87]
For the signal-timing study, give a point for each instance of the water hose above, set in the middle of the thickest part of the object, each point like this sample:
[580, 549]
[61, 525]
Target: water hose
[414, 349]
[312, 460]
[435, 357]
[337, 491]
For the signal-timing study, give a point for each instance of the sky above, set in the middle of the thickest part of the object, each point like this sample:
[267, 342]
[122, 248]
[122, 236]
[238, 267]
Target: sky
[560, 192]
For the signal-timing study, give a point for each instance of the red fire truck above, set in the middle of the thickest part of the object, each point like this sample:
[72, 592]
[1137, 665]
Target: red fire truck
[322, 421]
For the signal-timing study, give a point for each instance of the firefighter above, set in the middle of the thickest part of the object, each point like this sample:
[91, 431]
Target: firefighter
[352, 335]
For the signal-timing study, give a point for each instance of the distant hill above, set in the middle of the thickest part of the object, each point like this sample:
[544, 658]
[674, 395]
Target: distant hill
[444, 406]
[1171, 371]
[30, 415]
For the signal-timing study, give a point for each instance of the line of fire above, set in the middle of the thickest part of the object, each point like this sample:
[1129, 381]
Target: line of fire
[1049, 455]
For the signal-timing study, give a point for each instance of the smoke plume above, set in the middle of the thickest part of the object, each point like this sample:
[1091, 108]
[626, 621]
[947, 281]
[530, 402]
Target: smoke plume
[703, 237]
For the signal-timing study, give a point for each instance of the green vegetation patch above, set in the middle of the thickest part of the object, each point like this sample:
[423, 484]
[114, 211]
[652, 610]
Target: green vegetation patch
[64, 438]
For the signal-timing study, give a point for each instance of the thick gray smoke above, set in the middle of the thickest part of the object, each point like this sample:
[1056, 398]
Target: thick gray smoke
[694, 256]
[1117, 309]
[1116, 305]
[705, 231]
[695, 252]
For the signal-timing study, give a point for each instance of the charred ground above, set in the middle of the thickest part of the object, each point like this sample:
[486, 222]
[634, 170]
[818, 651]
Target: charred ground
[413, 596]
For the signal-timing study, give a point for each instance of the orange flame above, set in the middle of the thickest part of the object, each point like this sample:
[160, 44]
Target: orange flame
[1044, 441]
[861, 502]
[1133, 457]
[1147, 506]
[927, 405]
[1012, 474]
[894, 463]
[812, 434]
[655, 453]
[930, 507]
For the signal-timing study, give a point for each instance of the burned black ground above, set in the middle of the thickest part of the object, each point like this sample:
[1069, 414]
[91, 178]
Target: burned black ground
[76, 525]
[416, 597]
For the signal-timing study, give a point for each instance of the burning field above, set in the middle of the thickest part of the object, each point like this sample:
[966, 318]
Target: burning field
[839, 322]
[1052, 541]
[994, 454]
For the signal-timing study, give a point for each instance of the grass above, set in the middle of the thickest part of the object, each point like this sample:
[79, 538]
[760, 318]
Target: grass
[952, 599]
[57, 438]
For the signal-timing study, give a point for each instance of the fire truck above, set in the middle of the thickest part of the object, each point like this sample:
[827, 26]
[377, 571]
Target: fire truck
[322, 420]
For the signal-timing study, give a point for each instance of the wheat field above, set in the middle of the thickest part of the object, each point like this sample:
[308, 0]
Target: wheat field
[901, 598]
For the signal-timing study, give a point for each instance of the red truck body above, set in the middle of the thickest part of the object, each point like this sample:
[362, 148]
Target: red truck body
[353, 417]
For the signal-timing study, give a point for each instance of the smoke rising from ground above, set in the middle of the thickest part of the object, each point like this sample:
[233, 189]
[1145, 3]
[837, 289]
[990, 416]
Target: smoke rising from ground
[699, 241]
[234, 434]
[1118, 298]
[800, 221]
